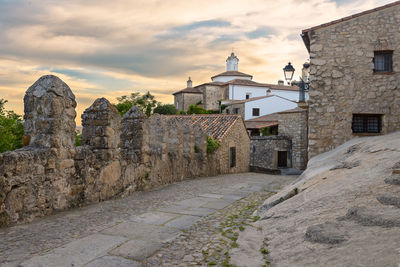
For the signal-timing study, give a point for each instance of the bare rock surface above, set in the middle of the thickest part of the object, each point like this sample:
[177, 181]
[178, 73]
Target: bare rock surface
[342, 211]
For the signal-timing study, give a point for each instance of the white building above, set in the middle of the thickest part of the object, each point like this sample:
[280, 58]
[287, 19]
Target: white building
[240, 94]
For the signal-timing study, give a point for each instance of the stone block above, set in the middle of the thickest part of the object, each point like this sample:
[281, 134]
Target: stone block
[137, 249]
[78, 252]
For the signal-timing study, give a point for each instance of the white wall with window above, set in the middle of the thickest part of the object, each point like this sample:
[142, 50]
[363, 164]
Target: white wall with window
[267, 106]
[239, 92]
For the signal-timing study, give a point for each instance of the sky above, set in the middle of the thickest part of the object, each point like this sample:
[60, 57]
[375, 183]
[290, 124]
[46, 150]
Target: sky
[104, 48]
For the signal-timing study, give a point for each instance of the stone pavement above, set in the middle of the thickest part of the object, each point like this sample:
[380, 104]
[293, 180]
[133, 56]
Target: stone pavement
[127, 231]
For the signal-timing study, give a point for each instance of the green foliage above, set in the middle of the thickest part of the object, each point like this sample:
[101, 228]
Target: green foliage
[11, 129]
[212, 144]
[146, 103]
[166, 109]
[78, 139]
[194, 109]
[266, 131]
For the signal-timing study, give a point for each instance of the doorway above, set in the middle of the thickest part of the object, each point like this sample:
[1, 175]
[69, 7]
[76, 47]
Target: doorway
[282, 159]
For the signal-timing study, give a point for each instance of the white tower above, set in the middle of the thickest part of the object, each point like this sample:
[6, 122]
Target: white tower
[232, 63]
[189, 83]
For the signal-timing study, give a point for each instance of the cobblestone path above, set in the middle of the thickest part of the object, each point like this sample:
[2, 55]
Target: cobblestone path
[191, 222]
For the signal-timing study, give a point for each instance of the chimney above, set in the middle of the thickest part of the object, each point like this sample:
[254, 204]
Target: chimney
[189, 83]
[281, 82]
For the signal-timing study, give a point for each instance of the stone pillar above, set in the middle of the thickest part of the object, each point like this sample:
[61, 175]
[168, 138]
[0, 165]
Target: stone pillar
[49, 120]
[132, 129]
[101, 125]
[101, 141]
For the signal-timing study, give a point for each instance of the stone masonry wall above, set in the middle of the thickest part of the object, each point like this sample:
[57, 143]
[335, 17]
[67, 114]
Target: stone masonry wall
[343, 81]
[293, 124]
[212, 94]
[118, 155]
[235, 138]
[264, 155]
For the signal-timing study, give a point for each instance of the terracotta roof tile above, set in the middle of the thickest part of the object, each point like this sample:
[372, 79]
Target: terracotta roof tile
[215, 125]
[232, 73]
[272, 86]
[190, 90]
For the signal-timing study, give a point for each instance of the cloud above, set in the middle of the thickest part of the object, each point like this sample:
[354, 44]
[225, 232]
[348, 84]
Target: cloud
[110, 48]
[262, 32]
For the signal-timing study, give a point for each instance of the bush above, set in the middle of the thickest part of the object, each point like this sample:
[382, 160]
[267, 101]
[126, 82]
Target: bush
[212, 144]
[78, 139]
[167, 109]
[194, 109]
[11, 129]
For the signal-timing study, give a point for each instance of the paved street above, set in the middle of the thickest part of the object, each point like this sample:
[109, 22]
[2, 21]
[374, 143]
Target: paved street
[127, 231]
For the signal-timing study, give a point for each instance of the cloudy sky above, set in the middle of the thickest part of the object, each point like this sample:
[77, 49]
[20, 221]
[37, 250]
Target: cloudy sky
[111, 48]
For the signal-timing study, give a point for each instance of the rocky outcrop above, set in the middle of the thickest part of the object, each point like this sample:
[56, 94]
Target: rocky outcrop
[346, 210]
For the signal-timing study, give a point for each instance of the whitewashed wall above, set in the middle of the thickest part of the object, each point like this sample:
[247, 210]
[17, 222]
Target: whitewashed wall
[267, 106]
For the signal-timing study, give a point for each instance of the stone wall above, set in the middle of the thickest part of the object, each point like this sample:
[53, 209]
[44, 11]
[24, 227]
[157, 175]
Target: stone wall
[343, 81]
[231, 108]
[212, 94]
[263, 151]
[241, 142]
[118, 155]
[184, 100]
[293, 124]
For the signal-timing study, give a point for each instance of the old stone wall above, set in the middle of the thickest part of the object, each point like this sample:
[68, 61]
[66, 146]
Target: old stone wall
[118, 155]
[232, 107]
[263, 150]
[212, 94]
[241, 142]
[184, 100]
[293, 124]
[343, 81]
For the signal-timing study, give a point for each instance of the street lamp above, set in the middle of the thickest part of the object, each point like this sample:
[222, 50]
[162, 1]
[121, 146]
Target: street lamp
[288, 71]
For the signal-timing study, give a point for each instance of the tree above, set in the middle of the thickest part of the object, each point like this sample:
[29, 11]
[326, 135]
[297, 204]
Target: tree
[166, 109]
[146, 103]
[11, 129]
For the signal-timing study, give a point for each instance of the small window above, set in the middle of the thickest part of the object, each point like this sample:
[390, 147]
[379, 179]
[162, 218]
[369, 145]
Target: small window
[232, 157]
[236, 110]
[256, 112]
[367, 123]
[383, 61]
[227, 111]
[248, 95]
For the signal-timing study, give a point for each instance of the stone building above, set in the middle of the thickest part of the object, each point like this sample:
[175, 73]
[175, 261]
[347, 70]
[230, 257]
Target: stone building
[229, 130]
[188, 96]
[286, 146]
[355, 77]
[230, 85]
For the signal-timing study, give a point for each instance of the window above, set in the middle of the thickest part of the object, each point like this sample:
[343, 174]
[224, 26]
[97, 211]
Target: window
[383, 61]
[236, 110]
[232, 157]
[227, 111]
[367, 123]
[256, 112]
[248, 95]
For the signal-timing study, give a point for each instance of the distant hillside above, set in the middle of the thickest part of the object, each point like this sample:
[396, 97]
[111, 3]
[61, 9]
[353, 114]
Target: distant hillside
[344, 210]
